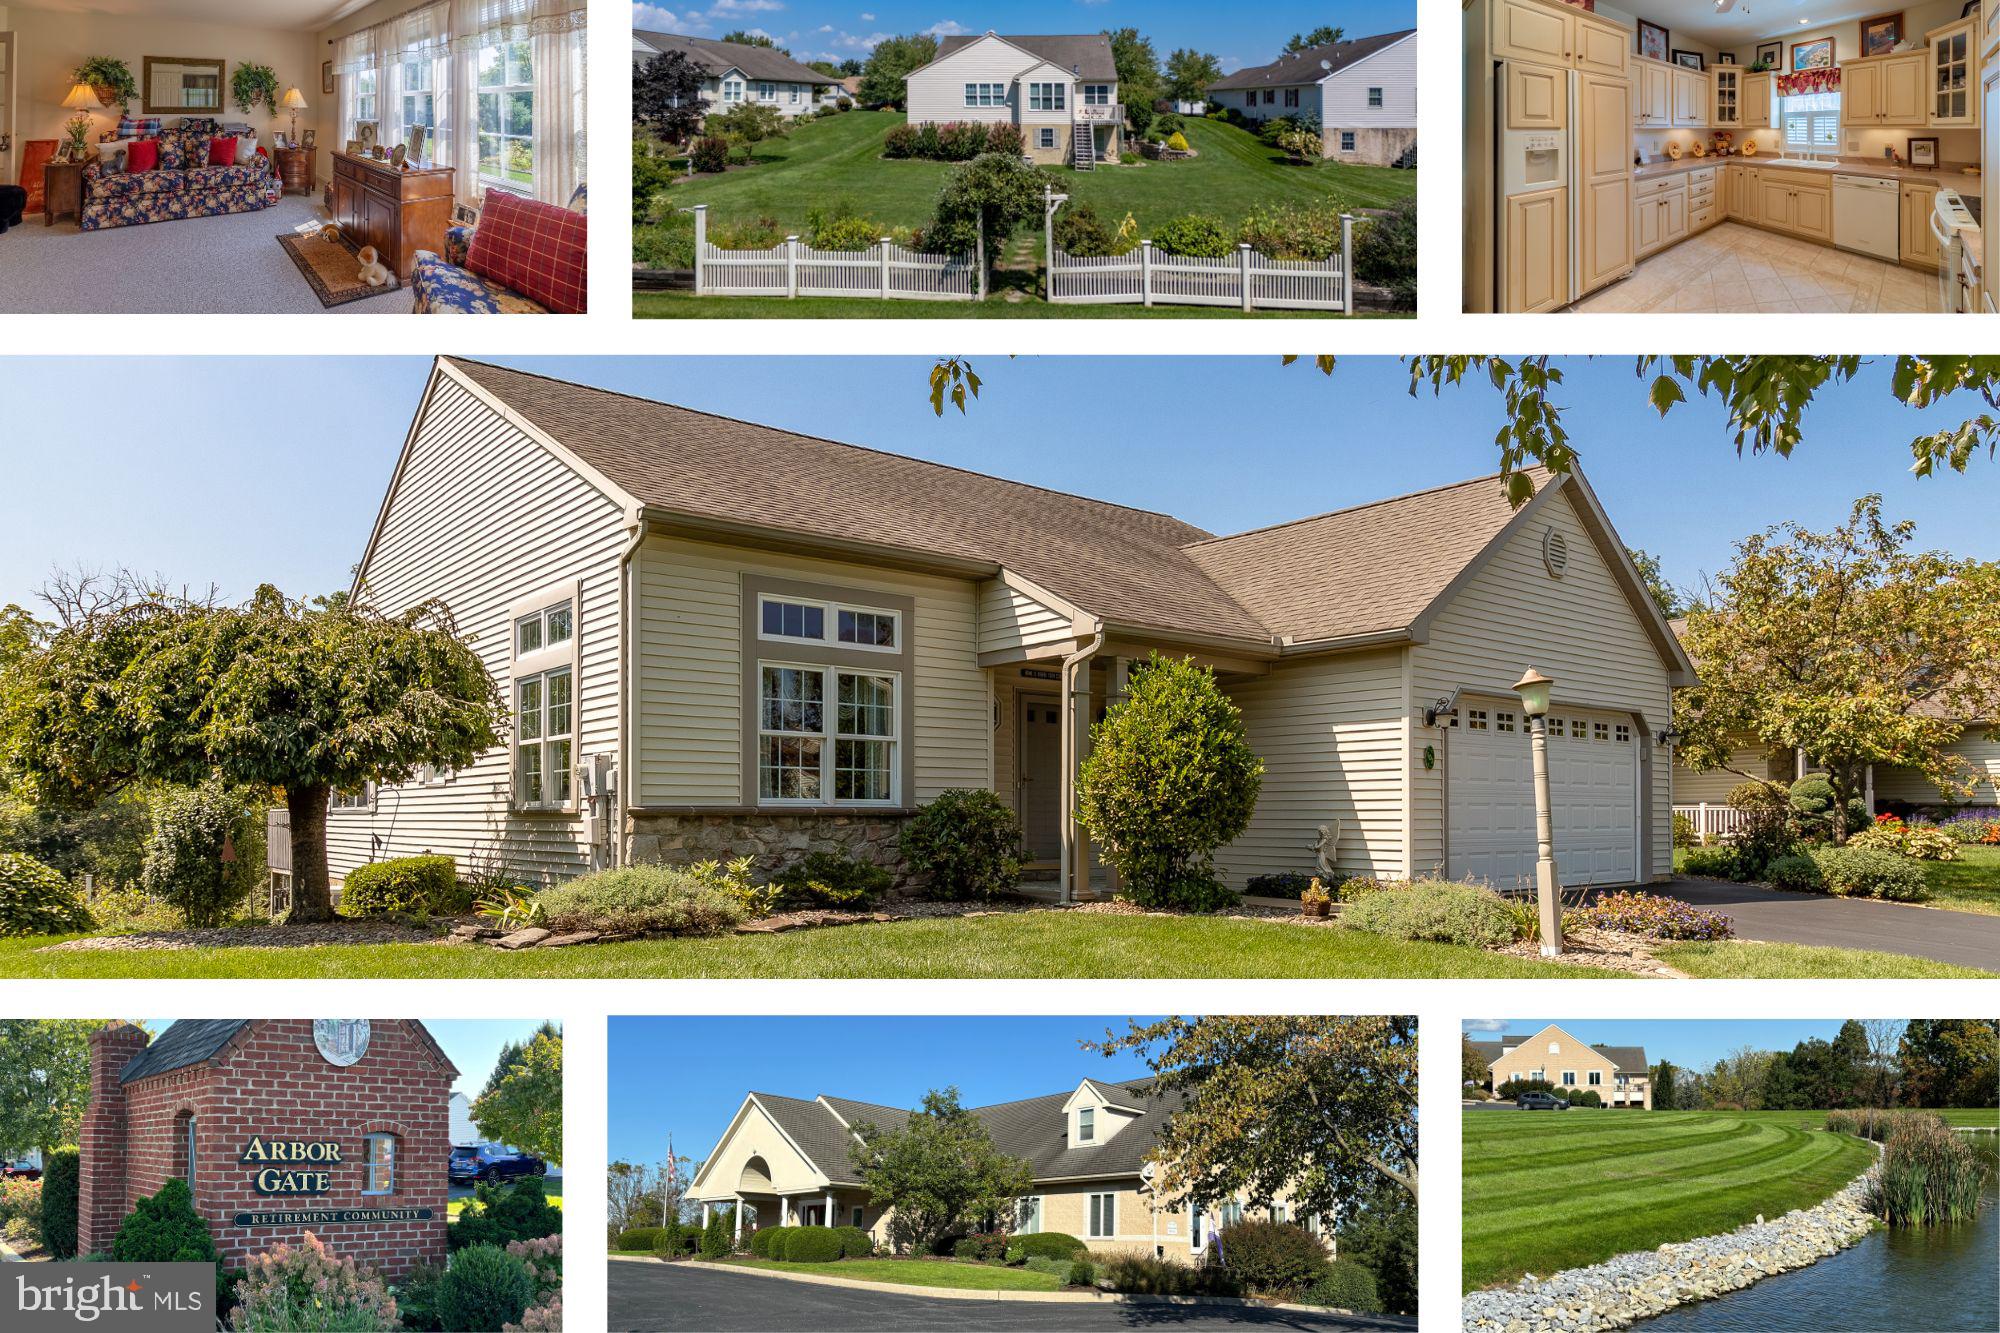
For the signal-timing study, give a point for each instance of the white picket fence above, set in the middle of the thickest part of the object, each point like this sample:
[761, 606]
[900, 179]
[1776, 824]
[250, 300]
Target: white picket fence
[791, 268]
[1712, 823]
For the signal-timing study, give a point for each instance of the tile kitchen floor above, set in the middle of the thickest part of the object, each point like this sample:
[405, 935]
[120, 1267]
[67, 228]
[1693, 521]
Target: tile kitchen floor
[1734, 269]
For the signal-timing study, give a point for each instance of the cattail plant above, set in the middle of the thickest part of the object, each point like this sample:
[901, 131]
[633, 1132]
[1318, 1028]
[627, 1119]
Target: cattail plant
[1928, 1174]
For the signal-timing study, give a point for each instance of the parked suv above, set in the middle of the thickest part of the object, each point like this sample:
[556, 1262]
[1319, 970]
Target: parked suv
[490, 1163]
[1540, 1101]
[22, 1170]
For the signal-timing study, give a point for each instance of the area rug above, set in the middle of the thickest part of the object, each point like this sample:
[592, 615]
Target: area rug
[331, 269]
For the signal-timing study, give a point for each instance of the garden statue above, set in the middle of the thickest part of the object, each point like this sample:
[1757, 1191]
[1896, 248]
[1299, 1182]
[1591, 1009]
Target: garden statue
[1325, 847]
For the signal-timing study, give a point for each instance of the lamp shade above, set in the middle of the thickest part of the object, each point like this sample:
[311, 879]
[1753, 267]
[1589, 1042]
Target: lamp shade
[294, 100]
[1533, 687]
[82, 97]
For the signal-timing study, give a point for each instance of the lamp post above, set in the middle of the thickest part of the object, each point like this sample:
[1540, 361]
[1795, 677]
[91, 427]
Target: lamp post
[1533, 687]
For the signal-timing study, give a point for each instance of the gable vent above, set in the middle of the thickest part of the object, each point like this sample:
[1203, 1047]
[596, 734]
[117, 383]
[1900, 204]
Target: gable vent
[1555, 552]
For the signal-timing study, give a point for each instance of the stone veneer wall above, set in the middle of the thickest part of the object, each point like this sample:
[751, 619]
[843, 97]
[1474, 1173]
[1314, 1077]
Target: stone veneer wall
[776, 839]
[1372, 146]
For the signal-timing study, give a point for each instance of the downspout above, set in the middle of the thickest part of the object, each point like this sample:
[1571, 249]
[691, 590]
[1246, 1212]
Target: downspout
[628, 661]
[1079, 660]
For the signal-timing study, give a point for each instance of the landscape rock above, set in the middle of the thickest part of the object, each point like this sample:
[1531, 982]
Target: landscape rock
[564, 941]
[523, 939]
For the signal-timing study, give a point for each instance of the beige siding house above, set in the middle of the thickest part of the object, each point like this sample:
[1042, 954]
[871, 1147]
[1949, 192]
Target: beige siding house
[723, 639]
[1061, 90]
[735, 73]
[1362, 94]
[1617, 1074]
[787, 1161]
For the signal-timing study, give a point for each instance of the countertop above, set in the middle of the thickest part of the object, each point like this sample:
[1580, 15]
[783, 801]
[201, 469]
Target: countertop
[1950, 174]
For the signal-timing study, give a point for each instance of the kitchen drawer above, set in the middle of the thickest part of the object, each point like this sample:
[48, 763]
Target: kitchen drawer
[1701, 215]
[1659, 185]
[1701, 189]
[1700, 177]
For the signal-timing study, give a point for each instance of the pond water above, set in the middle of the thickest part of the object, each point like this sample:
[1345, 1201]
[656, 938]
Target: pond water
[1938, 1279]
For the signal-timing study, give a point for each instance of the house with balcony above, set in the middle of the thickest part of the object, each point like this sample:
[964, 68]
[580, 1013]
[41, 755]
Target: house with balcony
[734, 73]
[1617, 1074]
[1362, 94]
[1061, 90]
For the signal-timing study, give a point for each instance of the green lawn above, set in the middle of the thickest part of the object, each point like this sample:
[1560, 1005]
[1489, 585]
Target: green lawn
[841, 156]
[919, 1273]
[1782, 962]
[1969, 884]
[1548, 1192]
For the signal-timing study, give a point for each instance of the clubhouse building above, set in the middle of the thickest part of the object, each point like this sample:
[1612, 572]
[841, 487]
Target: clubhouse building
[1618, 1074]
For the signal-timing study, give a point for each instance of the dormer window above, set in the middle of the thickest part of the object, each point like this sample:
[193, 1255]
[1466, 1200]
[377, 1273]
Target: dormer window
[1086, 1124]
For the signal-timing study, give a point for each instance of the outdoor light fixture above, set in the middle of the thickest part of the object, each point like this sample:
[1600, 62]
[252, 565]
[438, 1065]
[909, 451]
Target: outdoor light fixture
[1533, 687]
[1669, 735]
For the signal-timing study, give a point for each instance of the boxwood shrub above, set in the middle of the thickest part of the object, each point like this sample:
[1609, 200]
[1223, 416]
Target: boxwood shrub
[639, 1238]
[35, 900]
[1435, 910]
[417, 884]
[61, 1180]
[1346, 1286]
[811, 1245]
[484, 1287]
[963, 845]
[768, 1242]
[1797, 872]
[1045, 1245]
[854, 1242]
[1712, 863]
[1867, 872]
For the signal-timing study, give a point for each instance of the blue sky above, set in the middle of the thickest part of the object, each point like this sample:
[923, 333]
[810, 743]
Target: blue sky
[471, 1044]
[1691, 1043]
[241, 492]
[689, 1075]
[814, 30]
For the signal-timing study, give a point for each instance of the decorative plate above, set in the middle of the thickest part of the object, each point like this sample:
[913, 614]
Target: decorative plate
[1673, 152]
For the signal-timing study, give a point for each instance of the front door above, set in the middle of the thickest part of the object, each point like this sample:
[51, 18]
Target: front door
[1040, 779]
[813, 1215]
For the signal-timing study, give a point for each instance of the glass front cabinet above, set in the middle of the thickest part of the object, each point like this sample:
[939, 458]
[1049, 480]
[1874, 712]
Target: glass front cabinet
[1955, 73]
[1728, 109]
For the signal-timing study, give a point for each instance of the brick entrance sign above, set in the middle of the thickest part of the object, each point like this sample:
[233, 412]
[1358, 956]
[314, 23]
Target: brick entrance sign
[344, 1132]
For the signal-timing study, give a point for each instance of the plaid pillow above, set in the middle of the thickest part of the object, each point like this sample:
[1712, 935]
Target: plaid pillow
[139, 127]
[536, 249]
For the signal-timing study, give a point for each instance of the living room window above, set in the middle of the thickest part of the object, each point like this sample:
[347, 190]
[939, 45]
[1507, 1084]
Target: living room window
[767, 92]
[419, 101]
[802, 758]
[544, 675]
[366, 88]
[507, 116]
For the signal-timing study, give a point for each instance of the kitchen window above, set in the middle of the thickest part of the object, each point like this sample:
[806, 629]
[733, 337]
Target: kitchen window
[378, 1164]
[1811, 122]
[1103, 1216]
[1086, 1124]
[1048, 97]
[806, 752]
[986, 94]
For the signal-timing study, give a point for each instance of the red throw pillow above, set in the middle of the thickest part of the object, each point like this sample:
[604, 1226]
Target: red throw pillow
[142, 155]
[222, 152]
[533, 248]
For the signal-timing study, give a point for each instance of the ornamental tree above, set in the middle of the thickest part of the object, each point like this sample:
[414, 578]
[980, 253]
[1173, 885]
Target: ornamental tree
[884, 79]
[44, 1080]
[1322, 1109]
[940, 1173]
[1848, 645]
[522, 1103]
[308, 697]
[666, 96]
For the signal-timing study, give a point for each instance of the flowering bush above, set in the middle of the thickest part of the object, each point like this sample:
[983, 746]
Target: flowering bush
[1973, 828]
[545, 1316]
[1920, 842]
[544, 1260]
[296, 1288]
[1653, 916]
[21, 1210]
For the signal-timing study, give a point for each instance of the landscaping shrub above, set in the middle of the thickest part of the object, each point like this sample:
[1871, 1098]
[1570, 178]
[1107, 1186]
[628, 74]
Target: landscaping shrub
[1436, 910]
[1684, 834]
[1144, 1275]
[1045, 1245]
[1004, 138]
[1868, 872]
[961, 141]
[1177, 142]
[1082, 1272]
[1195, 235]
[848, 233]
[667, 243]
[484, 1287]
[1585, 1097]
[499, 1214]
[1654, 916]
[164, 1228]
[758, 234]
[1795, 871]
[825, 879]
[811, 1245]
[930, 141]
[716, 1240]
[1080, 232]
[1345, 1285]
[1286, 884]
[640, 900]
[1712, 863]
[35, 900]
[184, 866]
[843, 104]
[21, 1211]
[417, 1298]
[710, 155]
[964, 845]
[900, 142]
[1166, 122]
[1769, 827]
[639, 1238]
[1385, 252]
[543, 1257]
[1055, 1268]
[1919, 842]
[1929, 1175]
[303, 1289]
[676, 1241]
[988, 1247]
[992, 195]
[854, 1242]
[1290, 231]
[1513, 1089]
[1169, 779]
[415, 884]
[1813, 800]
[1272, 1258]
[61, 1179]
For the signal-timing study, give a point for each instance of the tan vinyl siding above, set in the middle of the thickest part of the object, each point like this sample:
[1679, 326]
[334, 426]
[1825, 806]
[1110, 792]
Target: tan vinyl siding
[1580, 629]
[481, 517]
[1714, 786]
[1980, 748]
[937, 93]
[689, 737]
[1010, 618]
[1344, 96]
[754, 1136]
[1332, 734]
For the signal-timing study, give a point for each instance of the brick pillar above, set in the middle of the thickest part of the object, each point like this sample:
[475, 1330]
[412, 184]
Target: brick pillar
[101, 1204]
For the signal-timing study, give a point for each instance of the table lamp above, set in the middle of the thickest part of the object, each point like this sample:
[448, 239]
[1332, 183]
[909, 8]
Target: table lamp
[294, 102]
[83, 100]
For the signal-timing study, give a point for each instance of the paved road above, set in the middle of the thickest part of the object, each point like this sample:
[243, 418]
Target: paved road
[1966, 938]
[646, 1297]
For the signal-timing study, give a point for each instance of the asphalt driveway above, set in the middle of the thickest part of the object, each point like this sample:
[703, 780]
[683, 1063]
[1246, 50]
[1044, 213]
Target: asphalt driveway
[1968, 939]
[646, 1296]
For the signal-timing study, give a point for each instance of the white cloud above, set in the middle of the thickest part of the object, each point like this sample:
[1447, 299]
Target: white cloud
[654, 18]
[867, 18]
[848, 41]
[1485, 1025]
[744, 6]
[824, 27]
[947, 28]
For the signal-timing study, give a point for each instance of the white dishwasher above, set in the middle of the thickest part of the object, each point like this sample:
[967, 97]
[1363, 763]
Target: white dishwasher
[1866, 211]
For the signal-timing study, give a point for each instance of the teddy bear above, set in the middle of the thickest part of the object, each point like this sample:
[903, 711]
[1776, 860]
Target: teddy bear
[373, 271]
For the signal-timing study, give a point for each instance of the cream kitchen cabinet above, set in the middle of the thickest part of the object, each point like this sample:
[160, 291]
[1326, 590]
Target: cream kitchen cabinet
[1741, 185]
[1885, 91]
[1538, 251]
[1794, 202]
[1757, 101]
[1726, 97]
[1604, 180]
[1652, 95]
[1690, 92]
[1954, 75]
[1920, 245]
[1660, 214]
[1703, 207]
[1554, 34]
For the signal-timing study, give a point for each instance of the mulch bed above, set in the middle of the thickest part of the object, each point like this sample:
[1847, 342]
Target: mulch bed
[1616, 950]
[256, 937]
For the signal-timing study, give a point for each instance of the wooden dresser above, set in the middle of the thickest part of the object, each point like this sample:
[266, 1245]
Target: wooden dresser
[397, 212]
[295, 169]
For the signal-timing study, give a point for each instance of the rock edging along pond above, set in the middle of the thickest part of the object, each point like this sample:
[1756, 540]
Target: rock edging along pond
[1635, 1286]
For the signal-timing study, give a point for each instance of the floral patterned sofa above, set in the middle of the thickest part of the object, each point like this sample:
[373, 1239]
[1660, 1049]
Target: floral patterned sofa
[182, 186]
[445, 285]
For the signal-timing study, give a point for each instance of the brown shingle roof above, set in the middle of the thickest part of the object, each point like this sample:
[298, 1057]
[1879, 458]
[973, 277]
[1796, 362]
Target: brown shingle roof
[715, 58]
[1372, 569]
[1088, 54]
[1303, 66]
[1126, 565]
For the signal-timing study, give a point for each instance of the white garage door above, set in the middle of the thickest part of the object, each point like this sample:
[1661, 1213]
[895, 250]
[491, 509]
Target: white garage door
[1593, 779]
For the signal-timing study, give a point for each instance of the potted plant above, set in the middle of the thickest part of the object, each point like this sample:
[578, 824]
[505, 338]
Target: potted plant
[1315, 900]
[252, 84]
[110, 79]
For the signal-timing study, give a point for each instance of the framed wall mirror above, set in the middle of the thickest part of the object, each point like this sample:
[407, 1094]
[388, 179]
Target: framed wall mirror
[182, 85]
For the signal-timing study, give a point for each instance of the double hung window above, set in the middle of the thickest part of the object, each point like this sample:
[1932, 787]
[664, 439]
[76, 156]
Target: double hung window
[378, 1164]
[545, 704]
[506, 82]
[1048, 97]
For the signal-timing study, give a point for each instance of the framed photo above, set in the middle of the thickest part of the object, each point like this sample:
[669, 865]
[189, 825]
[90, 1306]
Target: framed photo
[1725, 57]
[326, 78]
[1815, 54]
[1652, 40]
[1689, 59]
[1771, 54]
[309, 140]
[1881, 34]
[418, 134]
[366, 130]
[354, 148]
[1923, 152]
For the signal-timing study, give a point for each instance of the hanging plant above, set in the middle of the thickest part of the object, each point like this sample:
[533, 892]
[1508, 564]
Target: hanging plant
[110, 79]
[254, 84]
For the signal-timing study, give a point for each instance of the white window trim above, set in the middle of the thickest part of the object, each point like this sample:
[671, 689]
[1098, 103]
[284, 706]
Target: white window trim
[1097, 94]
[830, 623]
[1048, 96]
[541, 662]
[732, 91]
[1375, 98]
[1021, 1228]
[1110, 1211]
[369, 1166]
[1048, 137]
[829, 712]
[1347, 141]
[335, 801]
[983, 94]
[502, 91]
[191, 1144]
[1086, 1125]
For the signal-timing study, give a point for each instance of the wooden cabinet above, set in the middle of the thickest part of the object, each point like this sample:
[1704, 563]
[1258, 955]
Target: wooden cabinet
[1757, 101]
[1661, 214]
[1726, 97]
[1537, 251]
[1860, 92]
[1553, 34]
[1537, 97]
[1954, 75]
[1787, 201]
[1690, 92]
[397, 212]
[62, 192]
[1652, 95]
[295, 169]
[1812, 212]
[1743, 185]
[1604, 180]
[1702, 204]
[1920, 244]
[1885, 91]
[1601, 47]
